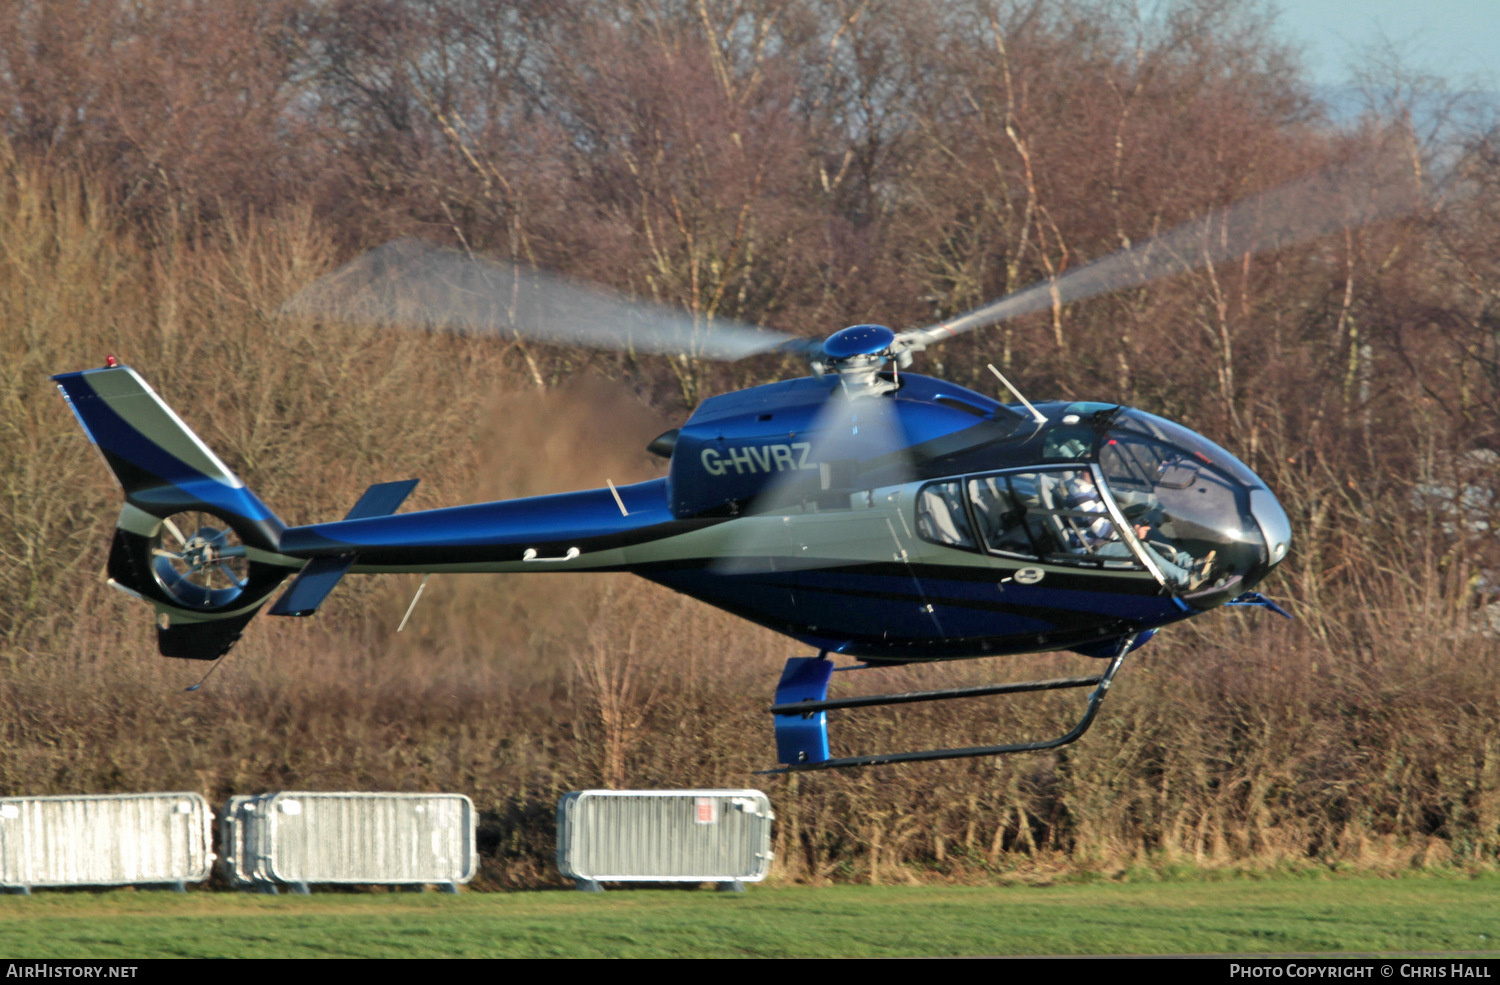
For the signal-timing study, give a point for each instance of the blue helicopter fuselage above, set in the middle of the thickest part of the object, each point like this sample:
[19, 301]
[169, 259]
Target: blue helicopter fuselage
[926, 522]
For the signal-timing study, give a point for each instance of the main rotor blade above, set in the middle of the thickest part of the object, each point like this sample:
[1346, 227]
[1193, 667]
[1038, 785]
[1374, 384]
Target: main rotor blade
[857, 445]
[408, 283]
[1344, 196]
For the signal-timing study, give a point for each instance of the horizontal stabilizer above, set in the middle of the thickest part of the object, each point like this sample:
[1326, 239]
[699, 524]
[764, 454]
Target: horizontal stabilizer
[382, 499]
[312, 585]
[318, 578]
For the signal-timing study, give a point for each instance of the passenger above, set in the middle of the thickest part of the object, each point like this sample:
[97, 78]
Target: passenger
[1086, 536]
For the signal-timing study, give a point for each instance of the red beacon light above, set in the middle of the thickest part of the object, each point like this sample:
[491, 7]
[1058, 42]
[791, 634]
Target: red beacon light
[110, 362]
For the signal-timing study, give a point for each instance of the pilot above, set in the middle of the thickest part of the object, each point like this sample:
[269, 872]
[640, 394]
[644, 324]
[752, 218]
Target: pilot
[1179, 567]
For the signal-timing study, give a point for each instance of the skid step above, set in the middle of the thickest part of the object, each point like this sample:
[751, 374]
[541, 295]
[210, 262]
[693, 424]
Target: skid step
[802, 722]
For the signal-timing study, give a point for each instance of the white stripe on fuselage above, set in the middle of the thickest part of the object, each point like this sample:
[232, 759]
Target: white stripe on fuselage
[878, 533]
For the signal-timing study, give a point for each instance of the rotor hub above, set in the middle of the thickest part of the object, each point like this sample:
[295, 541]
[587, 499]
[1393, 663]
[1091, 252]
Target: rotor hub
[857, 354]
[858, 340]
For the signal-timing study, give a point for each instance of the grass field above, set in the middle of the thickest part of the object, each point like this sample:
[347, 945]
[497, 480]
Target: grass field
[1247, 916]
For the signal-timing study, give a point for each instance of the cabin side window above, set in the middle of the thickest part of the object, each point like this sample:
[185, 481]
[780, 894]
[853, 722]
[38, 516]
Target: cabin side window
[1068, 443]
[1056, 515]
[941, 517]
[1001, 518]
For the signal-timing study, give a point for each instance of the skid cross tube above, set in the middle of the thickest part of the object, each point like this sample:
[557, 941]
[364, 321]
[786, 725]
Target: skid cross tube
[1102, 684]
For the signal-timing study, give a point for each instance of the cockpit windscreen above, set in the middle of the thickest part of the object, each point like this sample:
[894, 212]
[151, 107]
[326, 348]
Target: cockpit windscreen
[1188, 501]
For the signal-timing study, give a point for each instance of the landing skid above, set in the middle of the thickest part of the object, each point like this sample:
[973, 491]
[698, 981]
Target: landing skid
[802, 723]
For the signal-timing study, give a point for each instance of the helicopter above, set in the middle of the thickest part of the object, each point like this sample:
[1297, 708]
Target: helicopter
[866, 511]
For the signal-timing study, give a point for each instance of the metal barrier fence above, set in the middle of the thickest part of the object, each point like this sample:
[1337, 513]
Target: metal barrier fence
[721, 836]
[105, 840]
[294, 839]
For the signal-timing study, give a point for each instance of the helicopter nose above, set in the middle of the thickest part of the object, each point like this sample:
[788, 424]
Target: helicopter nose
[1274, 525]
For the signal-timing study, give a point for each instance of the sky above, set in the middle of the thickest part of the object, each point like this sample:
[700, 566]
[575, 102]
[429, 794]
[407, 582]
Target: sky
[1457, 40]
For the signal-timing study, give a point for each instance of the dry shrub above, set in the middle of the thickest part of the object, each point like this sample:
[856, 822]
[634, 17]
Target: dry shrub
[1363, 734]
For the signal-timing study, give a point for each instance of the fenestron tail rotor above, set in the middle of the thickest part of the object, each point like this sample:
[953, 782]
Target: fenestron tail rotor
[199, 561]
